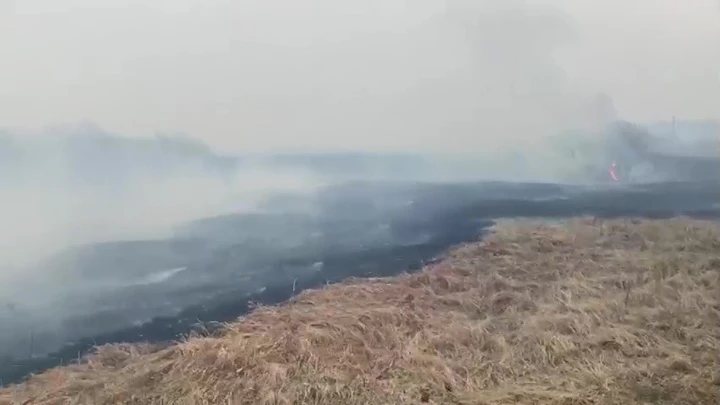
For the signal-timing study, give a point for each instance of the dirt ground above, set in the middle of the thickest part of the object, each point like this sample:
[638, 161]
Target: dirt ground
[582, 311]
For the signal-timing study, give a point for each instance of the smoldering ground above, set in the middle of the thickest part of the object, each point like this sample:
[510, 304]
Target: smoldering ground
[487, 84]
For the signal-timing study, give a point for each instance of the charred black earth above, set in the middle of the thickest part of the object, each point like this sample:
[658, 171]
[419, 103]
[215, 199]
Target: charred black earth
[213, 269]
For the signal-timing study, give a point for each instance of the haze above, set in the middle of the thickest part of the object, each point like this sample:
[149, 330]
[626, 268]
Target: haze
[87, 85]
[453, 76]
[424, 75]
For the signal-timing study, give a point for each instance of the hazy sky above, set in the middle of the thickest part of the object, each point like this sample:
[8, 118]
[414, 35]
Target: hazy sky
[376, 74]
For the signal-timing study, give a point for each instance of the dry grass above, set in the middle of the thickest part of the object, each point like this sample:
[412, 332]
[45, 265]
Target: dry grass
[585, 312]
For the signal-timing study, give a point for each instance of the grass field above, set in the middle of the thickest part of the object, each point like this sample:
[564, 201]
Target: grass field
[580, 312]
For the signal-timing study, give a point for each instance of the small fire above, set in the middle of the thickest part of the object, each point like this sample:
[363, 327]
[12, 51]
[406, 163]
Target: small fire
[611, 171]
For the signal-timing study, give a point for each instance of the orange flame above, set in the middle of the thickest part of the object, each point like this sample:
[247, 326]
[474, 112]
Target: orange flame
[611, 170]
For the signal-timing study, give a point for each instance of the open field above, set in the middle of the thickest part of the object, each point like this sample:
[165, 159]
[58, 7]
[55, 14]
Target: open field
[584, 311]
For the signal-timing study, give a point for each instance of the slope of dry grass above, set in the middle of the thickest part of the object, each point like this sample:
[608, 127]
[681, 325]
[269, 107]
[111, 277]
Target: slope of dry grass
[583, 312]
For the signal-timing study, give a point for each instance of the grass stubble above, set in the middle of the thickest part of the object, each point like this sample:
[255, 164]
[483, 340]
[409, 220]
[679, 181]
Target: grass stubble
[583, 311]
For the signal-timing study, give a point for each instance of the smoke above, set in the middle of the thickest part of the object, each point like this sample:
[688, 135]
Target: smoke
[432, 75]
[486, 84]
[76, 185]
[425, 90]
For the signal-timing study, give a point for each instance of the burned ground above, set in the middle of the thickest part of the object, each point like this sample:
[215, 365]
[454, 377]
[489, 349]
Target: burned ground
[568, 312]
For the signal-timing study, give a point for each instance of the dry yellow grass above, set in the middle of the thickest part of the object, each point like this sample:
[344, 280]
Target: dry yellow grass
[583, 312]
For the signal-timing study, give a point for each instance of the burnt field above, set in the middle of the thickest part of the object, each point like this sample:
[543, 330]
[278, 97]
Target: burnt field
[215, 269]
